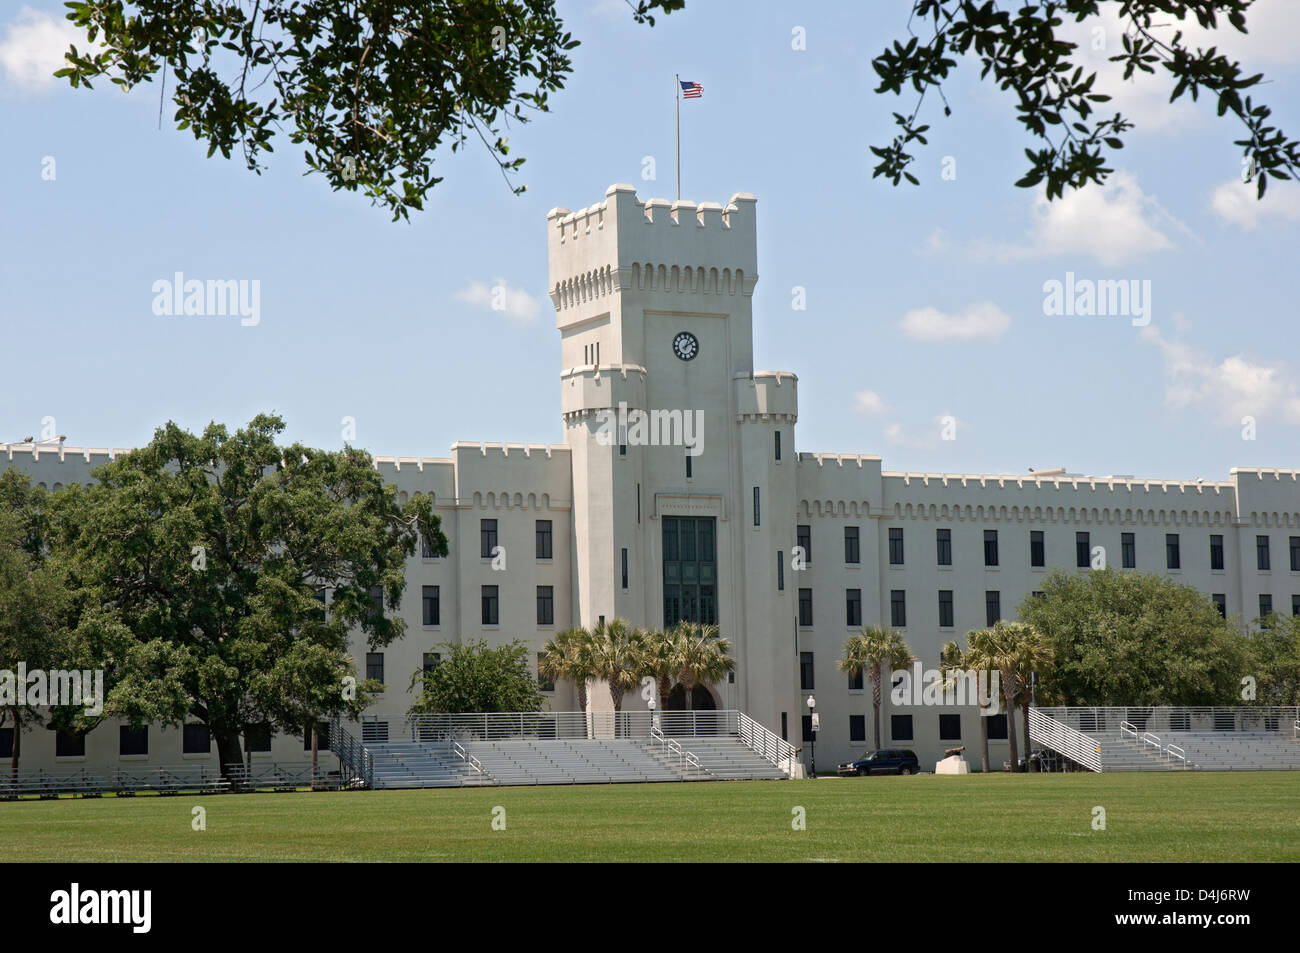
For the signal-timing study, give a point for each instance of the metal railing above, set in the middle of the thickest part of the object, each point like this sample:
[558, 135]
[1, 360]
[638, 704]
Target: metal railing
[355, 762]
[1151, 741]
[571, 725]
[458, 750]
[1128, 731]
[1057, 735]
[1174, 751]
[1167, 719]
[776, 750]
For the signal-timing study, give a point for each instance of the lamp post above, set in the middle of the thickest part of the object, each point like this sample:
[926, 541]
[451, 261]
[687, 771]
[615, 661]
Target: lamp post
[653, 723]
[812, 717]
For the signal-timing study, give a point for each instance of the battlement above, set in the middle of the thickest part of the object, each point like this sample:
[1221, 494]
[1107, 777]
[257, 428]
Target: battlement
[838, 459]
[1261, 473]
[593, 251]
[1022, 481]
[516, 451]
[591, 387]
[767, 394]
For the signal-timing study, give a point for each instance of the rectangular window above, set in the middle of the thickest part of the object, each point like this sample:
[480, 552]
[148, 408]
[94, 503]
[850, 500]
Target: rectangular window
[491, 615]
[1128, 550]
[990, 547]
[806, 724]
[950, 727]
[803, 539]
[855, 681]
[375, 666]
[1262, 561]
[69, 744]
[945, 609]
[852, 550]
[374, 732]
[624, 567]
[756, 522]
[377, 599]
[1265, 605]
[258, 738]
[1216, 552]
[992, 606]
[853, 607]
[638, 503]
[1221, 603]
[857, 727]
[1173, 560]
[896, 547]
[196, 739]
[544, 539]
[132, 741]
[900, 727]
[322, 737]
[1038, 594]
[1295, 605]
[544, 683]
[943, 546]
[6, 742]
[805, 607]
[898, 608]
[430, 661]
[690, 570]
[432, 608]
[1082, 550]
[780, 571]
[690, 472]
[997, 727]
[1037, 549]
[487, 538]
[546, 605]
[776, 435]
[785, 726]
[806, 671]
[1295, 553]
[426, 548]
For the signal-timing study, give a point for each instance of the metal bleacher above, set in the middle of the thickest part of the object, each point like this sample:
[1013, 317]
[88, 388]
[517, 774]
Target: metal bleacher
[1173, 739]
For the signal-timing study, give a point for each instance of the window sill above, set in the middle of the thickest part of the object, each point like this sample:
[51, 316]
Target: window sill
[132, 757]
[197, 756]
[947, 568]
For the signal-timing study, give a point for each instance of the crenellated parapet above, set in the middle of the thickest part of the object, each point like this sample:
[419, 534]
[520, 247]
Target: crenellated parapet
[767, 396]
[591, 388]
[624, 244]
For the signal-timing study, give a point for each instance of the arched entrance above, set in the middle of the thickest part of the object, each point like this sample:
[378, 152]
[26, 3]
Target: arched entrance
[701, 699]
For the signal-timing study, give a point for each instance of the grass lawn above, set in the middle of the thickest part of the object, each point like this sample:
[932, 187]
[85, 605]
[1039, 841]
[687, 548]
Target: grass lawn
[1246, 816]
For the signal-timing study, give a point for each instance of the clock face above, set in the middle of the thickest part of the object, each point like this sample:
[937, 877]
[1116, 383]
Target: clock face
[685, 345]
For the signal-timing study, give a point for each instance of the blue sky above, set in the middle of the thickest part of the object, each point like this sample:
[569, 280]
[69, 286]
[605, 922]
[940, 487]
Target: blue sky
[921, 302]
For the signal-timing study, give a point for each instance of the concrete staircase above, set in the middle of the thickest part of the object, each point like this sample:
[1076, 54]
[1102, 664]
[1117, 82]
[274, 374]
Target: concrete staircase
[413, 764]
[727, 758]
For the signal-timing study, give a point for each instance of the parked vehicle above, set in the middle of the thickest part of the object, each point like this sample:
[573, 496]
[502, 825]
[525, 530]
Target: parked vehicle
[884, 761]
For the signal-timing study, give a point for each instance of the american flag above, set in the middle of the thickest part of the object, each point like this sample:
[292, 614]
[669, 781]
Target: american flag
[691, 90]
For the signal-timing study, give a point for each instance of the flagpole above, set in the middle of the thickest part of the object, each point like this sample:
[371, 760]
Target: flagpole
[677, 99]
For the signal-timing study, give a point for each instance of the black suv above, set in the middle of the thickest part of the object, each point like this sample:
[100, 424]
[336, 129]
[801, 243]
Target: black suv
[884, 761]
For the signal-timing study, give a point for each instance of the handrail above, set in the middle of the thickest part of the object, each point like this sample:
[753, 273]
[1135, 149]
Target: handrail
[1061, 737]
[776, 750]
[1148, 739]
[1126, 729]
[1174, 751]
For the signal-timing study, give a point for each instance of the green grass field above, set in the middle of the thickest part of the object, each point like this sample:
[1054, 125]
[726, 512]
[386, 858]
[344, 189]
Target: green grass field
[1246, 816]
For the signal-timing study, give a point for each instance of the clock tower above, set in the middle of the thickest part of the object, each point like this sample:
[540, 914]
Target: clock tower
[683, 456]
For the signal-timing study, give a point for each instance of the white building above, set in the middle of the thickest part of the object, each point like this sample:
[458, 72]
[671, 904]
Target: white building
[653, 304]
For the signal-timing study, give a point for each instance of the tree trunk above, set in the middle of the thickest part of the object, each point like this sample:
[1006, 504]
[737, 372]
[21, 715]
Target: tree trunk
[875, 698]
[314, 749]
[689, 690]
[18, 746]
[1024, 711]
[228, 751]
[984, 739]
[582, 696]
[665, 692]
[1009, 694]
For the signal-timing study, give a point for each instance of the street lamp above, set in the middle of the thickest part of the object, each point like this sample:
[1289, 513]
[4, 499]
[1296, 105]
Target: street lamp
[812, 717]
[652, 717]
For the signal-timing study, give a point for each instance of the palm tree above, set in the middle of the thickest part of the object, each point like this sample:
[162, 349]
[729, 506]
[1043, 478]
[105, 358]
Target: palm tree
[952, 663]
[1034, 654]
[657, 663]
[564, 658]
[997, 648]
[616, 655]
[701, 656]
[872, 650]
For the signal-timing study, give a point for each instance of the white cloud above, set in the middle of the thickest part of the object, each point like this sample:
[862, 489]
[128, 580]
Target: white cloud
[869, 402]
[32, 48]
[897, 435]
[982, 320]
[1229, 389]
[1113, 223]
[516, 304]
[1235, 202]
